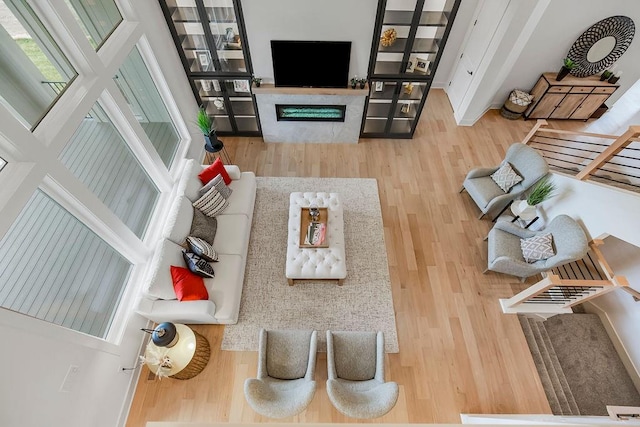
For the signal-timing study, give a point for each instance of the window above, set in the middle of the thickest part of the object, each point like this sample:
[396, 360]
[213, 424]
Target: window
[97, 18]
[99, 157]
[52, 267]
[33, 70]
[143, 98]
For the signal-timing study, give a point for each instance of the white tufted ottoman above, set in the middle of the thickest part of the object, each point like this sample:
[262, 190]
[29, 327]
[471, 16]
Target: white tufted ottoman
[316, 263]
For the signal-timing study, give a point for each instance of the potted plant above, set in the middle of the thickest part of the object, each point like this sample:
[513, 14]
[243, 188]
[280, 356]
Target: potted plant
[211, 142]
[257, 81]
[567, 66]
[354, 82]
[605, 75]
[362, 82]
[540, 192]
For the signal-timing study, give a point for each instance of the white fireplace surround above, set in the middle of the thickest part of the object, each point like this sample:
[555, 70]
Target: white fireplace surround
[267, 96]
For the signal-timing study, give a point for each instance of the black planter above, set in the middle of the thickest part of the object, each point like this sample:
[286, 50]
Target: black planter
[212, 144]
[353, 85]
[362, 85]
[562, 73]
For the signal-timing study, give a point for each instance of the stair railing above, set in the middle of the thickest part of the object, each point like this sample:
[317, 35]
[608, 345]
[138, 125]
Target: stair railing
[571, 284]
[609, 159]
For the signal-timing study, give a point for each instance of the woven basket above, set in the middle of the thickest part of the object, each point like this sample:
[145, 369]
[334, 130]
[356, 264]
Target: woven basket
[514, 108]
[509, 114]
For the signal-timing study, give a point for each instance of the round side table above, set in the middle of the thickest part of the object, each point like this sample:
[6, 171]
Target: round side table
[188, 357]
[525, 212]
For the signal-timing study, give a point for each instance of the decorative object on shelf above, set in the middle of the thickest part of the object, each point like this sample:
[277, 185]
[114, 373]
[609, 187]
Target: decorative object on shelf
[406, 108]
[164, 335]
[216, 85]
[204, 58]
[543, 190]
[422, 65]
[567, 66]
[219, 103]
[408, 88]
[206, 85]
[601, 45]
[388, 37]
[354, 82]
[363, 83]
[605, 75]
[241, 86]
[379, 86]
[411, 65]
[614, 78]
[230, 35]
[314, 212]
[257, 81]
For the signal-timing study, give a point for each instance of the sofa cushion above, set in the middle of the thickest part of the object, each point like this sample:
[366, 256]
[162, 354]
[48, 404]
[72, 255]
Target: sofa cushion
[288, 353]
[211, 203]
[202, 248]
[198, 265]
[158, 282]
[355, 355]
[203, 227]
[242, 199]
[179, 219]
[232, 237]
[188, 286]
[225, 289]
[212, 170]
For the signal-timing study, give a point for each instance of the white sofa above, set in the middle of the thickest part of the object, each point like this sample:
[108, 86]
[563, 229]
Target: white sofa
[158, 301]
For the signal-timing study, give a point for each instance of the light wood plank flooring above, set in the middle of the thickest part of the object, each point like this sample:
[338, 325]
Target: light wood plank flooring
[458, 352]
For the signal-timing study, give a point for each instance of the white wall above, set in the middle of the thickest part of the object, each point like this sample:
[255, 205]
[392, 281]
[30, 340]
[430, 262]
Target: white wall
[562, 23]
[331, 20]
[605, 210]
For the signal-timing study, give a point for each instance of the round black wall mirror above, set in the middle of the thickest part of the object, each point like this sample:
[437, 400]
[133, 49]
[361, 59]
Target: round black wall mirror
[601, 45]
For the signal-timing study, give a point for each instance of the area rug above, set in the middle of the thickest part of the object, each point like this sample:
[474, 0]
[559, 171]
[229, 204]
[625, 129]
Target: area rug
[364, 301]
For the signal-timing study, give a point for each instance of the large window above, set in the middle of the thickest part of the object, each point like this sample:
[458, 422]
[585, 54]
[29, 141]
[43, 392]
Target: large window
[33, 70]
[141, 93]
[99, 157]
[90, 157]
[54, 268]
[97, 18]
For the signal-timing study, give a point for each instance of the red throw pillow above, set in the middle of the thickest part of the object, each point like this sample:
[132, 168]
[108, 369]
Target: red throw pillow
[212, 171]
[188, 286]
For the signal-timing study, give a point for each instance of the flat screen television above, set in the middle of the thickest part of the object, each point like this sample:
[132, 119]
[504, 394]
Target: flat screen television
[310, 63]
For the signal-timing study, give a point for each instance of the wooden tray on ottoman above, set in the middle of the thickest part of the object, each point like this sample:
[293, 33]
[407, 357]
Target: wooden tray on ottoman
[305, 220]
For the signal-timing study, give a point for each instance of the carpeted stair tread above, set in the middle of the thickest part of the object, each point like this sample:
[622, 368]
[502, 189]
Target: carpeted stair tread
[592, 368]
[543, 373]
[545, 351]
[572, 406]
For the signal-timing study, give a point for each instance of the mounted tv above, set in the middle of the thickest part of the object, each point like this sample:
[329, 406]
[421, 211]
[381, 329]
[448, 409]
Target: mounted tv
[310, 63]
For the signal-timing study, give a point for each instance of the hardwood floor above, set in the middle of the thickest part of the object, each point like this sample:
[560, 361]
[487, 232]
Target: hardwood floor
[458, 352]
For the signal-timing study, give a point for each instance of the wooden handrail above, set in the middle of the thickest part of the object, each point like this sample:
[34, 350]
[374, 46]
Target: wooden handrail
[532, 132]
[616, 146]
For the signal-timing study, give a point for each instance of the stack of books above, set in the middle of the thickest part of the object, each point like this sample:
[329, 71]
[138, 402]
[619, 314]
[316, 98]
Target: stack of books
[316, 233]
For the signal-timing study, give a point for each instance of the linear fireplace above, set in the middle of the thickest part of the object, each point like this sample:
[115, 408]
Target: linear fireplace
[310, 113]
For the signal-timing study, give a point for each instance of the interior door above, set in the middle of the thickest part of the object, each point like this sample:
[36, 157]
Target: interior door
[485, 22]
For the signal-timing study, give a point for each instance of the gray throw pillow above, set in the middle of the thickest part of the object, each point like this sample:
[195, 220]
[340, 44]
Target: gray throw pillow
[218, 183]
[506, 177]
[203, 227]
[537, 248]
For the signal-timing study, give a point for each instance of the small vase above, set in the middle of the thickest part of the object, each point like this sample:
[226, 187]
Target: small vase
[362, 85]
[562, 73]
[353, 85]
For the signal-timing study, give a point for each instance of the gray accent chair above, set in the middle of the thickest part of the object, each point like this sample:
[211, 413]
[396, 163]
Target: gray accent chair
[527, 163]
[505, 255]
[355, 365]
[286, 368]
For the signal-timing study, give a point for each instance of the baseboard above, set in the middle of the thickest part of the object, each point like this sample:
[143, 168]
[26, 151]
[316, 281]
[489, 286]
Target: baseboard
[632, 370]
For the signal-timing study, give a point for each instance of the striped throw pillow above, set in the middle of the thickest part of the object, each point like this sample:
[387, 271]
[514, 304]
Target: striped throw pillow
[218, 183]
[211, 203]
[198, 265]
[201, 248]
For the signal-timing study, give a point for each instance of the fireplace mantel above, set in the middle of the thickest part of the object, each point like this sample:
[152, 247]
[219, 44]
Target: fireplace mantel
[347, 131]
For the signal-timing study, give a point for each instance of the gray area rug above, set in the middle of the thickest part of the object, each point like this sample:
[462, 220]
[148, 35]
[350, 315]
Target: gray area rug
[364, 301]
[593, 369]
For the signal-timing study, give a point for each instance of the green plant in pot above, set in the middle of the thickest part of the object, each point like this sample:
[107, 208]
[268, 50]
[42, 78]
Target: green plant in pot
[354, 82]
[257, 81]
[543, 190]
[211, 142]
[567, 66]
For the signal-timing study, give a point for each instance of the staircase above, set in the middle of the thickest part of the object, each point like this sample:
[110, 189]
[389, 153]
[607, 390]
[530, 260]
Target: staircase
[579, 369]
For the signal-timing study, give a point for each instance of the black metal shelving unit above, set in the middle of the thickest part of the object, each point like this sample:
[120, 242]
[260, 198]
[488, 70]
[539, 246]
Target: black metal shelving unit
[401, 73]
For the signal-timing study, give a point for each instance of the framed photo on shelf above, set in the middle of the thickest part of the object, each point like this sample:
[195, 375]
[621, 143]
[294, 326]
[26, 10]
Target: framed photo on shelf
[204, 59]
[241, 86]
[411, 65]
[379, 86]
[422, 65]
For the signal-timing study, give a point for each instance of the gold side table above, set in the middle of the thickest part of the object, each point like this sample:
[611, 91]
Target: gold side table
[189, 356]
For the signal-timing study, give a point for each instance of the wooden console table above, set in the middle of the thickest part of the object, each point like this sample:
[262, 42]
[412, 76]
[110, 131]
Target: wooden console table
[569, 98]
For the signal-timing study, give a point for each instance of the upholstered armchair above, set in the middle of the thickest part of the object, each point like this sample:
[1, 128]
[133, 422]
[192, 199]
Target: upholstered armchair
[524, 160]
[505, 253]
[355, 365]
[286, 366]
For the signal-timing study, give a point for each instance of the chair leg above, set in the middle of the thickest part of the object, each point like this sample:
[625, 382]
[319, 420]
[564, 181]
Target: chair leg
[523, 279]
[485, 271]
[481, 215]
[461, 189]
[486, 238]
